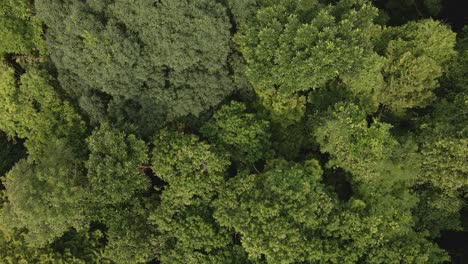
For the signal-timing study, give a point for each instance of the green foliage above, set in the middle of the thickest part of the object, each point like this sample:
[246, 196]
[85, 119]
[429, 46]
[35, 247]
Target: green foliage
[243, 135]
[35, 112]
[444, 164]
[380, 231]
[86, 246]
[112, 166]
[365, 150]
[116, 184]
[271, 43]
[437, 210]
[242, 10]
[188, 166]
[20, 30]
[417, 55]
[46, 196]
[285, 110]
[194, 175]
[295, 46]
[279, 89]
[381, 207]
[364, 86]
[74, 247]
[13, 249]
[278, 213]
[443, 180]
[135, 62]
[130, 238]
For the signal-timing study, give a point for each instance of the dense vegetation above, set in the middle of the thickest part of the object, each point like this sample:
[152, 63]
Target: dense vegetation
[232, 131]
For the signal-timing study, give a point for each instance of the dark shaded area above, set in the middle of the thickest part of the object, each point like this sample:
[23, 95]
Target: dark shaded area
[400, 12]
[10, 153]
[10, 60]
[260, 165]
[338, 179]
[157, 183]
[232, 170]
[454, 13]
[456, 244]
[80, 243]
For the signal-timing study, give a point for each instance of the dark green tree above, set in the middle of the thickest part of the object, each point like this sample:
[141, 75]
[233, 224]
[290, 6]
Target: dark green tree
[44, 192]
[74, 247]
[131, 238]
[458, 72]
[140, 62]
[46, 196]
[402, 11]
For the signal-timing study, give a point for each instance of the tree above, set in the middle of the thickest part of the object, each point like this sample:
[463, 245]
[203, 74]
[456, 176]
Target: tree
[458, 72]
[131, 238]
[231, 131]
[382, 173]
[194, 175]
[293, 47]
[279, 213]
[443, 180]
[117, 187]
[73, 247]
[35, 112]
[380, 231]
[140, 61]
[368, 151]
[245, 136]
[45, 191]
[20, 29]
[46, 196]
[417, 55]
[242, 11]
[112, 166]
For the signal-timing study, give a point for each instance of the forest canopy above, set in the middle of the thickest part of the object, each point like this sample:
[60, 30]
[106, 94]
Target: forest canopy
[233, 131]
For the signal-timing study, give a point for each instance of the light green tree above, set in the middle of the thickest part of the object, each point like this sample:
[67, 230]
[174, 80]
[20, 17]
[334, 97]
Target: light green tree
[279, 214]
[194, 175]
[35, 112]
[293, 47]
[417, 54]
[20, 30]
[245, 136]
